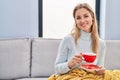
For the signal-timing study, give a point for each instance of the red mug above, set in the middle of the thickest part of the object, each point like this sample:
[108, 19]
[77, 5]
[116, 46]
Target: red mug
[89, 57]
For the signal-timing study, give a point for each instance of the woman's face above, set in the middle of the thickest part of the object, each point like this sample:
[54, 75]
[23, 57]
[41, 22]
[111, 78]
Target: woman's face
[83, 19]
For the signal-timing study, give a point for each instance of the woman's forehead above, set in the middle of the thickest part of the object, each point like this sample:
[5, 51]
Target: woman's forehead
[82, 11]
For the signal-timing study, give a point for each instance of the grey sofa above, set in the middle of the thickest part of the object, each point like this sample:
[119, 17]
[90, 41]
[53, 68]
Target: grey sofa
[33, 59]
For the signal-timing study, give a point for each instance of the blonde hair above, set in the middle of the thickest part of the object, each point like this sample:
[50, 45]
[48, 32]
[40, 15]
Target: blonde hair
[94, 30]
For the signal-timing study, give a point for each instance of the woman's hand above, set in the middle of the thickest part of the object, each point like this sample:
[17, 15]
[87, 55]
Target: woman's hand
[77, 59]
[100, 71]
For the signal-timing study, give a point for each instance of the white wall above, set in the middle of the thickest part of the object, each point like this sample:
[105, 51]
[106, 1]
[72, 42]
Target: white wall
[58, 18]
[112, 20]
[18, 18]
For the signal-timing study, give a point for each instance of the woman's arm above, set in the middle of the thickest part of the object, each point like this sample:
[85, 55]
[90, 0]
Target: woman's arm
[101, 57]
[101, 54]
[61, 63]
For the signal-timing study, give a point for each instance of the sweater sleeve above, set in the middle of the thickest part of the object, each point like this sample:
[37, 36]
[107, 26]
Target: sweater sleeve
[101, 54]
[61, 63]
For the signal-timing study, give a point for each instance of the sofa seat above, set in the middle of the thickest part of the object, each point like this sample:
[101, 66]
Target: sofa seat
[33, 79]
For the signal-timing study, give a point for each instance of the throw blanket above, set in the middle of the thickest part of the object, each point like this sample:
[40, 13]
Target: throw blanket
[79, 74]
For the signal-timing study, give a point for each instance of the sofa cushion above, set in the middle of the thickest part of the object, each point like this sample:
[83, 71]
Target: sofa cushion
[14, 58]
[44, 53]
[112, 57]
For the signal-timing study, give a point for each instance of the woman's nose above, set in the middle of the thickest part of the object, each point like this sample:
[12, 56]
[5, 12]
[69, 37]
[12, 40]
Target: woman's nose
[82, 20]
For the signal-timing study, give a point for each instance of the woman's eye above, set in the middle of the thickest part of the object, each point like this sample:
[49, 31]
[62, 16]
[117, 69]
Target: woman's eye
[86, 16]
[78, 18]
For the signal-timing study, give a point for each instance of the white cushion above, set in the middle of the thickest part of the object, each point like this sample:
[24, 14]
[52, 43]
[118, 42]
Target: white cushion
[44, 53]
[14, 58]
[112, 57]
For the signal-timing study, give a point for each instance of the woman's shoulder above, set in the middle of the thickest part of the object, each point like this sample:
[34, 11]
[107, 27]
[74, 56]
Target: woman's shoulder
[68, 38]
[102, 42]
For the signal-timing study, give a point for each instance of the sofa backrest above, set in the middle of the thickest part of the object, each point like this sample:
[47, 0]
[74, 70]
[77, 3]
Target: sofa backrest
[14, 58]
[44, 53]
[112, 56]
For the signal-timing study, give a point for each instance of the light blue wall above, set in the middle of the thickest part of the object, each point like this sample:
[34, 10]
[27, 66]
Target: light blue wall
[18, 18]
[102, 18]
[110, 19]
[112, 27]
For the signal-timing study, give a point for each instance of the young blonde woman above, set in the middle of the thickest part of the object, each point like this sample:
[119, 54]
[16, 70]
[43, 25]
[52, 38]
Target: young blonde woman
[84, 37]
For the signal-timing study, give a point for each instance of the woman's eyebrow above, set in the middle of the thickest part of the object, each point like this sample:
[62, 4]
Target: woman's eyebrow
[86, 14]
